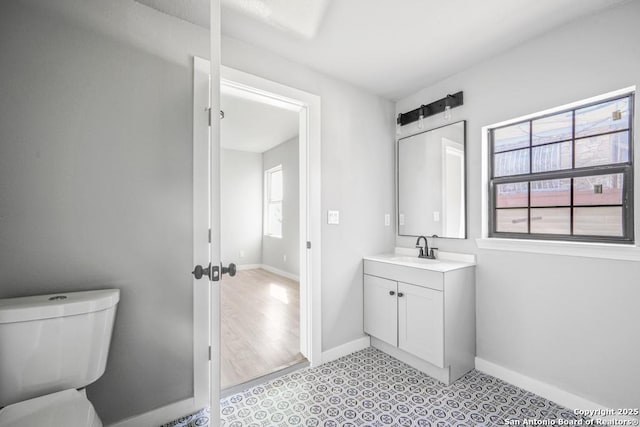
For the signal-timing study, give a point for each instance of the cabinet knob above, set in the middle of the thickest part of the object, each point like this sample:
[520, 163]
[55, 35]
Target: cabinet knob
[400, 294]
[392, 293]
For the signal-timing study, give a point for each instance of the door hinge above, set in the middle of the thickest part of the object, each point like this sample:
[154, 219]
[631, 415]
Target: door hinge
[209, 352]
[209, 114]
[209, 235]
[308, 245]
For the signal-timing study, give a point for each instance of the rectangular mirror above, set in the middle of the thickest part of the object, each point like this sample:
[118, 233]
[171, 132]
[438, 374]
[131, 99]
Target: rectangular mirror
[431, 183]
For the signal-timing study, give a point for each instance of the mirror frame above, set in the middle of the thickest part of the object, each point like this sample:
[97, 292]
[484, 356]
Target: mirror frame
[466, 181]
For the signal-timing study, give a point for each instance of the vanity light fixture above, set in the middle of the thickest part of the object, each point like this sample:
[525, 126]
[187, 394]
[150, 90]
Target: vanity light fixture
[443, 105]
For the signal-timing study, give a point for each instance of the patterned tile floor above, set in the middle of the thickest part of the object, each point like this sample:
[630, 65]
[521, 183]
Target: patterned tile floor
[371, 388]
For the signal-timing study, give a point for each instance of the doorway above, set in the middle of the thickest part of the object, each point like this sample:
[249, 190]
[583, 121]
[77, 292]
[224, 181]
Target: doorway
[207, 319]
[260, 195]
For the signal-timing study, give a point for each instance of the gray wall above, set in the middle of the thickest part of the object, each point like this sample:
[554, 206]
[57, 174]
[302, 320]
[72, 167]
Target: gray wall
[568, 321]
[241, 206]
[274, 249]
[95, 179]
[357, 179]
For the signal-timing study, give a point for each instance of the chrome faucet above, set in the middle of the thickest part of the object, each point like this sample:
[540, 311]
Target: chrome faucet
[425, 252]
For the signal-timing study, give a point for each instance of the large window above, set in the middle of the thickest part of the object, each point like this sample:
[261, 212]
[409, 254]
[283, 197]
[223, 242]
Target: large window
[273, 202]
[565, 176]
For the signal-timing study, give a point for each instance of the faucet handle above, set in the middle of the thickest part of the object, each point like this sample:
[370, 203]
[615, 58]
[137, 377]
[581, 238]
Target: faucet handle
[431, 254]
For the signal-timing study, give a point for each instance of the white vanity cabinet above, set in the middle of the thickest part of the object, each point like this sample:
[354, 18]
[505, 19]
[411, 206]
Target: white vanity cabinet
[423, 315]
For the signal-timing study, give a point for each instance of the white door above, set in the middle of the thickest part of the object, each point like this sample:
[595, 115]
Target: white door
[207, 271]
[381, 309]
[420, 322]
[201, 225]
[206, 223]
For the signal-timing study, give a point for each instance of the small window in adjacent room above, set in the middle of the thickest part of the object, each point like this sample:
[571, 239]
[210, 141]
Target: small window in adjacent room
[273, 202]
[565, 176]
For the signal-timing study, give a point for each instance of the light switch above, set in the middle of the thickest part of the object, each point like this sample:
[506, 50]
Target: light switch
[387, 220]
[401, 219]
[436, 216]
[333, 217]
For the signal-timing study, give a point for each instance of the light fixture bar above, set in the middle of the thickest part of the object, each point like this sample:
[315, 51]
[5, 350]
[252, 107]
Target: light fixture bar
[435, 107]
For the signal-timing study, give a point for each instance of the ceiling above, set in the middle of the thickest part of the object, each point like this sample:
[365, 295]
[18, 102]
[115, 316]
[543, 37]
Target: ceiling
[251, 125]
[390, 48]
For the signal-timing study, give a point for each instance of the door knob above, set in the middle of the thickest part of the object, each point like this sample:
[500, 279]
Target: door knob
[231, 270]
[400, 294]
[392, 293]
[200, 271]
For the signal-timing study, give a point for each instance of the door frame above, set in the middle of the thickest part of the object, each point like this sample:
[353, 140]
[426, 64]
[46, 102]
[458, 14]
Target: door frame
[308, 107]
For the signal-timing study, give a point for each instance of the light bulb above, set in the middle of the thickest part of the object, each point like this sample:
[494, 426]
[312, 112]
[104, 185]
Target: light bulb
[447, 112]
[421, 120]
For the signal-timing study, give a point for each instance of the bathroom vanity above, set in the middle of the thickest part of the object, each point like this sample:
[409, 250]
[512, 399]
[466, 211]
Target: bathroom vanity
[422, 311]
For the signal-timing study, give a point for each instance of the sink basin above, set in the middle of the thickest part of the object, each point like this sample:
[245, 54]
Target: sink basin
[414, 259]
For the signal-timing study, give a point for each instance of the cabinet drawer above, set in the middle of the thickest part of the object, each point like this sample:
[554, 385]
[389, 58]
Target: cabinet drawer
[416, 276]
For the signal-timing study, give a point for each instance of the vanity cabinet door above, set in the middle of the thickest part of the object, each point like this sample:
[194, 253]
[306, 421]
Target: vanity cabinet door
[381, 309]
[421, 322]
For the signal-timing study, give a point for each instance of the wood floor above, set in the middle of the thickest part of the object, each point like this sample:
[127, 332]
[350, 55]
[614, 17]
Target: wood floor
[260, 325]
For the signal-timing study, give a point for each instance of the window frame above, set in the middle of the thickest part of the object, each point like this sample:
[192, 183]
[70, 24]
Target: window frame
[626, 169]
[268, 202]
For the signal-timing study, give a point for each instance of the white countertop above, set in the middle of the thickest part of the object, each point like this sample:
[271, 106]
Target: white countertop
[446, 261]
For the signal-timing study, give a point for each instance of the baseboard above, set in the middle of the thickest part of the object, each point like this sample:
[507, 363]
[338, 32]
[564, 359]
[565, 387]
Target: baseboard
[345, 349]
[160, 416]
[280, 272]
[241, 267]
[548, 391]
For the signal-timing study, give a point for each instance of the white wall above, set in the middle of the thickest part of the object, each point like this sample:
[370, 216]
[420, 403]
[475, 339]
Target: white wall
[568, 321]
[274, 249]
[96, 179]
[241, 207]
[357, 179]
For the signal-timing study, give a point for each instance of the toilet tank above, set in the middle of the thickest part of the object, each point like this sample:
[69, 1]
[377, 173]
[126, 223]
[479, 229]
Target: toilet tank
[50, 343]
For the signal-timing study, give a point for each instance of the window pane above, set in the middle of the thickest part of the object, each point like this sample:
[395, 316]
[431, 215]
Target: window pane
[512, 195]
[511, 137]
[274, 219]
[602, 118]
[276, 186]
[512, 220]
[511, 163]
[551, 221]
[598, 190]
[603, 150]
[552, 192]
[600, 221]
[553, 128]
[551, 157]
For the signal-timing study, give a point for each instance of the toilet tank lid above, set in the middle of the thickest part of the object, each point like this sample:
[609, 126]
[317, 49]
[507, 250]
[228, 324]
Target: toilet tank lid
[24, 309]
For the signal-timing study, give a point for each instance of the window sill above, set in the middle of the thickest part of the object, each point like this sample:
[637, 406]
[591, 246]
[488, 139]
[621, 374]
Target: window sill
[552, 247]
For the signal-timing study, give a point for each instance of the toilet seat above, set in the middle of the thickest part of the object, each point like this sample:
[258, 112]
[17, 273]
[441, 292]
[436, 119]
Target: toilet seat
[63, 408]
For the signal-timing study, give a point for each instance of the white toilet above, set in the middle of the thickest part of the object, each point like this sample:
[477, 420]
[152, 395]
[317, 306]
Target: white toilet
[51, 347]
